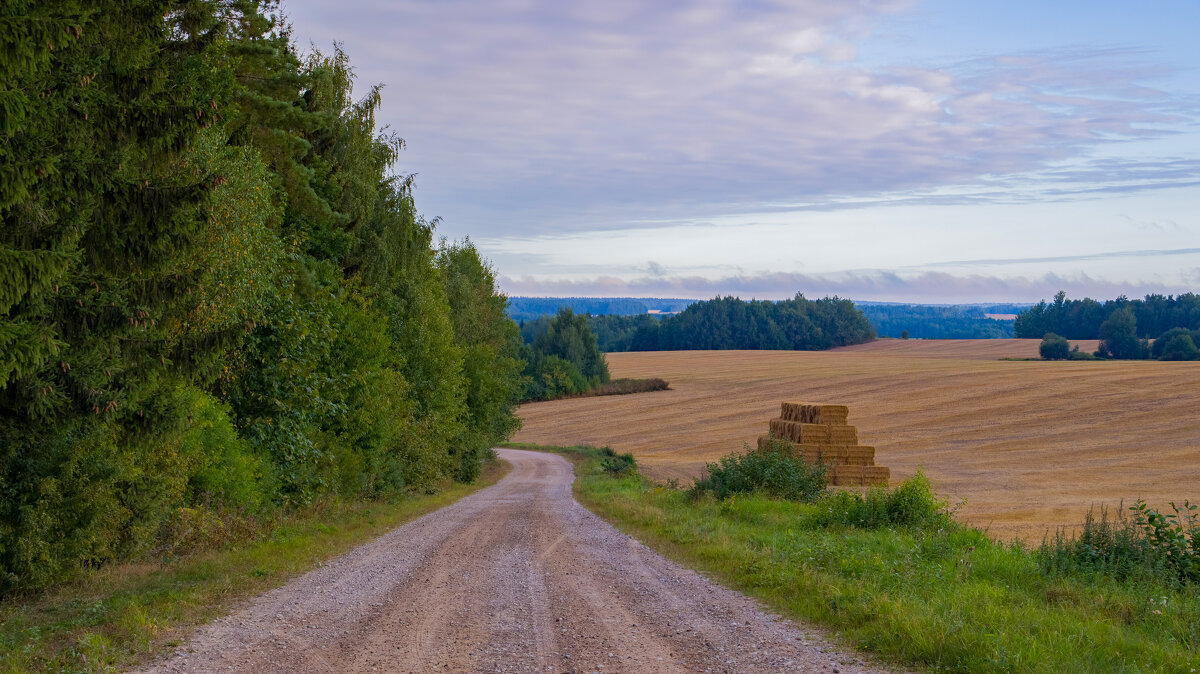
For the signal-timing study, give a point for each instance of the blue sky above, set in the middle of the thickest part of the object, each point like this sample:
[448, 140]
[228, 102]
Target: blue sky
[930, 151]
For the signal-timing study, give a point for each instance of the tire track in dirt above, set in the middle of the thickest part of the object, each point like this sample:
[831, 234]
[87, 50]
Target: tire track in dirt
[514, 578]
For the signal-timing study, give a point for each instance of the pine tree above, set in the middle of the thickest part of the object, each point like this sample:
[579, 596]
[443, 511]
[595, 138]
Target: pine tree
[102, 104]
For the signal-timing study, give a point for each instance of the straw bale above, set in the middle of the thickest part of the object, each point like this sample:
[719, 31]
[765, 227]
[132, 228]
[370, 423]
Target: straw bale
[815, 413]
[847, 472]
[876, 475]
[846, 475]
[801, 432]
[850, 451]
[842, 435]
[840, 460]
[820, 433]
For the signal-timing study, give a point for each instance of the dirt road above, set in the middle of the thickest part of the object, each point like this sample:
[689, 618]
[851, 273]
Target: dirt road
[515, 578]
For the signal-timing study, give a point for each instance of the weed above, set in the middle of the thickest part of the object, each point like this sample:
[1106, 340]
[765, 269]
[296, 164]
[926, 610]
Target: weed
[1172, 537]
[617, 464]
[775, 471]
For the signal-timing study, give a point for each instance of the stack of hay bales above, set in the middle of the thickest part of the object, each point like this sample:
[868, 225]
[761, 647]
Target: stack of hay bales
[820, 433]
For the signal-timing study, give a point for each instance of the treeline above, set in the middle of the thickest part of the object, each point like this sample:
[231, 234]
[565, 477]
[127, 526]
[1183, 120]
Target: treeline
[923, 321]
[216, 301]
[561, 357]
[1164, 327]
[1081, 319]
[733, 323]
[530, 308]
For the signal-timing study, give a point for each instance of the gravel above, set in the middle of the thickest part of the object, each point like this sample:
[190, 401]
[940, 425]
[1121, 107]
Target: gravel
[514, 578]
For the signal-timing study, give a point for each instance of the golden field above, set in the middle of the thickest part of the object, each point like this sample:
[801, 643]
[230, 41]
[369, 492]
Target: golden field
[1030, 445]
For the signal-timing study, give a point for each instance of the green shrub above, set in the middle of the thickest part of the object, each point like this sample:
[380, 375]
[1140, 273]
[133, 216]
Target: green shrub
[775, 471]
[1170, 346]
[552, 377]
[617, 464]
[1151, 547]
[223, 468]
[1112, 547]
[1054, 347]
[1174, 538]
[912, 503]
[1181, 347]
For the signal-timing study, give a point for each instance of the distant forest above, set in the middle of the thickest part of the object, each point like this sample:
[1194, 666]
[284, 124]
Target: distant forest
[941, 321]
[526, 308]
[1160, 326]
[730, 323]
[1082, 319]
[624, 324]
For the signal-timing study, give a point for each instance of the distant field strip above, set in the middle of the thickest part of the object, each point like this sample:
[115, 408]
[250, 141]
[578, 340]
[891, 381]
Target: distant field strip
[1031, 445]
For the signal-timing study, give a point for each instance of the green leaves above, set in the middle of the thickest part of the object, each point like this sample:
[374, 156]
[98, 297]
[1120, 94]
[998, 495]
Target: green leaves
[213, 295]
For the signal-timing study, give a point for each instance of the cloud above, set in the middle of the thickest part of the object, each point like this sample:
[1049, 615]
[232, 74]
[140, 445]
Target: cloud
[533, 116]
[885, 286]
[1070, 258]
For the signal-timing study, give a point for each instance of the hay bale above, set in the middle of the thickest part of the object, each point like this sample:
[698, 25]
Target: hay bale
[852, 473]
[815, 413]
[841, 435]
[846, 476]
[856, 452]
[877, 475]
[819, 432]
[840, 459]
[801, 432]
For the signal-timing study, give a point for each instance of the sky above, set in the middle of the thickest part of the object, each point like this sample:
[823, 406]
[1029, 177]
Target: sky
[888, 150]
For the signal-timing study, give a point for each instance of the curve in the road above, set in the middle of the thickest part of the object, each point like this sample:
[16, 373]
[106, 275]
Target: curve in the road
[517, 577]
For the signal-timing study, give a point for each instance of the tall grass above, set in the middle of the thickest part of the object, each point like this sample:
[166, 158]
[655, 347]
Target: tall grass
[893, 573]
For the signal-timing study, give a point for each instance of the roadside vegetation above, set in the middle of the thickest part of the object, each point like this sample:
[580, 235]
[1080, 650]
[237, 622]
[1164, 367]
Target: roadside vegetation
[117, 616]
[219, 304]
[892, 572]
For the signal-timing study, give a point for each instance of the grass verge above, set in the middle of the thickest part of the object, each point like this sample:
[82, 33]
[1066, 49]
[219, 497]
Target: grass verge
[945, 599]
[119, 616]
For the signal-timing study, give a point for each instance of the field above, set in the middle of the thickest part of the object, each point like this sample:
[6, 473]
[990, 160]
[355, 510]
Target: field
[1030, 445]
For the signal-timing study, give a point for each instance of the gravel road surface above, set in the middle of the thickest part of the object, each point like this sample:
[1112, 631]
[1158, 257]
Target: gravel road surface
[517, 577]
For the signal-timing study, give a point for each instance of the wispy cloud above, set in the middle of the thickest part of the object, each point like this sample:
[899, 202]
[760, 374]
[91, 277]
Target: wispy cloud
[530, 116]
[930, 286]
[1067, 258]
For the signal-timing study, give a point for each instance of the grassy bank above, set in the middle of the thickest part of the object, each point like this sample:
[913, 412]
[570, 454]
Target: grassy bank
[125, 614]
[942, 597]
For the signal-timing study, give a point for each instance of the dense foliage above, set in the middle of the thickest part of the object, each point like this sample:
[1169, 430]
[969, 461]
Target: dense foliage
[733, 323]
[561, 357]
[1147, 547]
[1120, 322]
[1054, 347]
[214, 295]
[775, 471]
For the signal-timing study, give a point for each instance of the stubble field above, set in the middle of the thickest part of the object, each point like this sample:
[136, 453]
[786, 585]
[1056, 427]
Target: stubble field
[1030, 445]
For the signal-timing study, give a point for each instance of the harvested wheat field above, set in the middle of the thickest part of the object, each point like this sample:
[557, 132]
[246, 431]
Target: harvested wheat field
[1030, 445]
